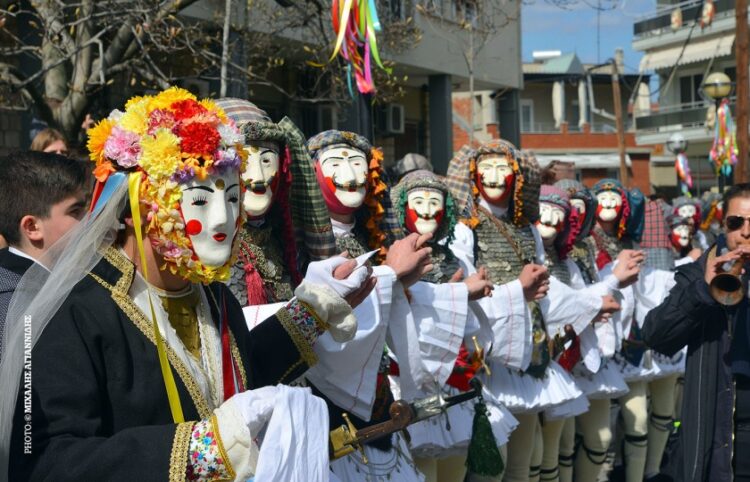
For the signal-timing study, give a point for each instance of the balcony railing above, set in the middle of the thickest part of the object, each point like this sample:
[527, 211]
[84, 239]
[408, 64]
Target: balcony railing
[676, 116]
[661, 20]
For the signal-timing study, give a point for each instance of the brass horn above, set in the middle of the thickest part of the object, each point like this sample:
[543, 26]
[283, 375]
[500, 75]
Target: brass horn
[726, 287]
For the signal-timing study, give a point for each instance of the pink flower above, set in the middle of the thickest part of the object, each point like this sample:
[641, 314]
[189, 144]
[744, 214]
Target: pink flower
[123, 147]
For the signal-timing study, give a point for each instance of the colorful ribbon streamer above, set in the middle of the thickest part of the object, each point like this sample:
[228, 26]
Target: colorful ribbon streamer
[723, 155]
[356, 24]
[682, 167]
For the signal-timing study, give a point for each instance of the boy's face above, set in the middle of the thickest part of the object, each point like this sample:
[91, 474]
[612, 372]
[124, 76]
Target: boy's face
[63, 216]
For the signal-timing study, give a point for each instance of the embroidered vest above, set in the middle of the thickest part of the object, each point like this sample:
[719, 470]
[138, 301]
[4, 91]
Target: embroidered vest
[260, 250]
[444, 263]
[555, 265]
[505, 249]
[583, 256]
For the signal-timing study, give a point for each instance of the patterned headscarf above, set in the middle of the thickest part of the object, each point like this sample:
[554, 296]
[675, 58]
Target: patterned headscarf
[376, 188]
[616, 186]
[655, 241]
[566, 238]
[576, 190]
[412, 162]
[462, 174]
[425, 180]
[674, 220]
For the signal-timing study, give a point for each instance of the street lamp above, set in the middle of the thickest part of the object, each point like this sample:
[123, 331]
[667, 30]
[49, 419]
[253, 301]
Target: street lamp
[677, 143]
[718, 86]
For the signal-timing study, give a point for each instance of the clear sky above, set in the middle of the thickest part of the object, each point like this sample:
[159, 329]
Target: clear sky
[546, 26]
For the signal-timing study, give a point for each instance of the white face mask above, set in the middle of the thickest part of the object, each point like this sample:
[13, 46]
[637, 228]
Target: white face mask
[210, 209]
[578, 205]
[686, 211]
[682, 234]
[493, 172]
[551, 218]
[610, 205]
[346, 168]
[424, 210]
[259, 176]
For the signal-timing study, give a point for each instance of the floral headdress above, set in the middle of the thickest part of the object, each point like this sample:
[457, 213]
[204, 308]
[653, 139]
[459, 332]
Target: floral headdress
[170, 138]
[375, 186]
[571, 225]
[616, 186]
[425, 180]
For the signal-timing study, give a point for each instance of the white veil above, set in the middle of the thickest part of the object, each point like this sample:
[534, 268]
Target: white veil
[42, 290]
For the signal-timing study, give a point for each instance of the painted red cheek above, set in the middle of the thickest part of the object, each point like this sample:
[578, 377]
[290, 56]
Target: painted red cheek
[411, 220]
[193, 227]
[329, 183]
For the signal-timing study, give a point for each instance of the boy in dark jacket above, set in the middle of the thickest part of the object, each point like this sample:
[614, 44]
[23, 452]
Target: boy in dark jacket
[715, 435]
[41, 198]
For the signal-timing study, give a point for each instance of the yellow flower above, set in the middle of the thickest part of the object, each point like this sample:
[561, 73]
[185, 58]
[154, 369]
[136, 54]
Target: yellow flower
[166, 98]
[211, 106]
[97, 137]
[161, 154]
[135, 118]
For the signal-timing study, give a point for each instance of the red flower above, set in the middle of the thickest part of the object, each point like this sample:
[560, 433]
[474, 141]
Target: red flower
[187, 109]
[198, 138]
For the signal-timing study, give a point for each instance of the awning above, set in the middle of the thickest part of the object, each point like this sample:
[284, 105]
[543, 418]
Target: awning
[585, 161]
[695, 51]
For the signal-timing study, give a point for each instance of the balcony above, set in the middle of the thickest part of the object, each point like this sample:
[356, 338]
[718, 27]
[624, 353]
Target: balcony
[688, 119]
[660, 22]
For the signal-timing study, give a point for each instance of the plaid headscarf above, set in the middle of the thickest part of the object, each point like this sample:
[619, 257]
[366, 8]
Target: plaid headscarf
[423, 179]
[576, 190]
[309, 214]
[460, 178]
[655, 231]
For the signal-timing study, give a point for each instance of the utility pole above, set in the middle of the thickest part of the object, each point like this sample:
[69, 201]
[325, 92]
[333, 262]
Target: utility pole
[617, 100]
[743, 89]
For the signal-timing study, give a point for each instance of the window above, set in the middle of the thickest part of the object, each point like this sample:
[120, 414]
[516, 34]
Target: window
[574, 115]
[527, 115]
[690, 89]
[732, 73]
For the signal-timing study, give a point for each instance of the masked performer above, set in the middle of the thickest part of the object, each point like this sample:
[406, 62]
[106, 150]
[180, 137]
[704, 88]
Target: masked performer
[287, 222]
[356, 380]
[690, 208]
[611, 237]
[559, 226]
[141, 351]
[594, 373]
[443, 319]
[497, 191]
[661, 243]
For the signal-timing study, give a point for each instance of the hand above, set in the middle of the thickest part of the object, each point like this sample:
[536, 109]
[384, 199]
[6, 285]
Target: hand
[457, 276]
[695, 253]
[357, 296]
[479, 284]
[256, 407]
[609, 306]
[409, 258]
[535, 282]
[342, 276]
[628, 267]
[715, 267]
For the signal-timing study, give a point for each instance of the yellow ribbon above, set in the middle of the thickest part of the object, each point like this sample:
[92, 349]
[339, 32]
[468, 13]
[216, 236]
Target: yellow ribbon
[342, 27]
[134, 187]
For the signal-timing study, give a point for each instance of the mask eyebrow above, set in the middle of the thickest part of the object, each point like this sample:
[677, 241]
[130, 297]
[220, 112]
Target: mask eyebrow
[204, 188]
[264, 151]
[233, 186]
